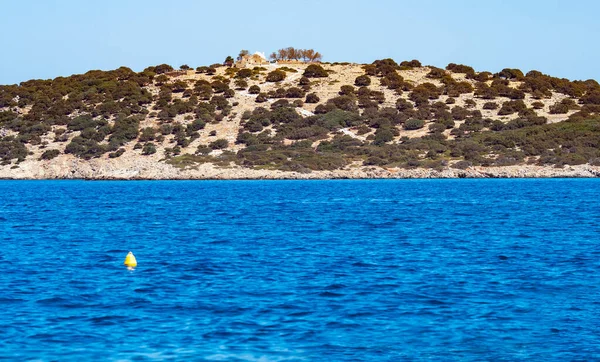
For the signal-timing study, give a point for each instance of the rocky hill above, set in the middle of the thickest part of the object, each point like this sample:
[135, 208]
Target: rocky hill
[300, 120]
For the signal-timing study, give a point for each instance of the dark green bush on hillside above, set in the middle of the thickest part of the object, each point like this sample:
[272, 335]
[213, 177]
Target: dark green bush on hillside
[511, 74]
[49, 154]
[312, 98]
[460, 68]
[413, 124]
[160, 69]
[383, 135]
[346, 90]
[412, 63]
[276, 76]
[315, 71]
[149, 149]
[219, 144]
[254, 89]
[511, 107]
[436, 73]
[11, 149]
[362, 81]
[490, 105]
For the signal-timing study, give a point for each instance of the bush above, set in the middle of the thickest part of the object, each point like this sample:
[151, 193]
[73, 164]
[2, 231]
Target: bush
[276, 76]
[219, 144]
[49, 154]
[315, 71]
[436, 73]
[254, 89]
[460, 68]
[511, 107]
[244, 73]
[149, 149]
[294, 92]
[413, 124]
[383, 135]
[559, 108]
[537, 105]
[511, 74]
[312, 98]
[362, 81]
[261, 98]
[304, 81]
[437, 128]
[117, 153]
[411, 64]
[490, 105]
[346, 90]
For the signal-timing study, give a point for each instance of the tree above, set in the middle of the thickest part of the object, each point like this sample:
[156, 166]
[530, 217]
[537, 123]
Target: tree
[243, 53]
[184, 67]
[274, 56]
[228, 61]
[316, 57]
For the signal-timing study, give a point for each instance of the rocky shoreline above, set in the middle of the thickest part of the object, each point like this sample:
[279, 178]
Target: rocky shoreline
[67, 167]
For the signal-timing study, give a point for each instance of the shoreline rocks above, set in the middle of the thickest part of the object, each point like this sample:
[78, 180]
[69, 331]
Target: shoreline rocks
[68, 167]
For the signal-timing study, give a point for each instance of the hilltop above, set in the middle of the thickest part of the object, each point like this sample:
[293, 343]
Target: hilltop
[300, 119]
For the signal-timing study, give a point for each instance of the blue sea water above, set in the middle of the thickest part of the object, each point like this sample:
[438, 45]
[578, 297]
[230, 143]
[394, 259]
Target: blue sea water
[383, 270]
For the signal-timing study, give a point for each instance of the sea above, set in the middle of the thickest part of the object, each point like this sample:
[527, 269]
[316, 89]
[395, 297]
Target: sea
[332, 270]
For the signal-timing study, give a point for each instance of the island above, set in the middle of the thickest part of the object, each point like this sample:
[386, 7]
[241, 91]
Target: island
[290, 115]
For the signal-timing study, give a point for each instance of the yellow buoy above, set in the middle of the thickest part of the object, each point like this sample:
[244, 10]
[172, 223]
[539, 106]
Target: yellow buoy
[130, 260]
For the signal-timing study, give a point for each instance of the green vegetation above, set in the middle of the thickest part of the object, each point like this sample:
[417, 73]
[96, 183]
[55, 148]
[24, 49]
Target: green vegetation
[101, 114]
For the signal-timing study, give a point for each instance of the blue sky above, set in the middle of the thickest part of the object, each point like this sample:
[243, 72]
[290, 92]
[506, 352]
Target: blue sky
[49, 38]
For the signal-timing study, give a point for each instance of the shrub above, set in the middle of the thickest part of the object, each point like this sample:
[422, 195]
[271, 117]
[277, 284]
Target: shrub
[412, 63]
[413, 124]
[490, 105]
[149, 149]
[315, 71]
[312, 98]
[437, 127]
[219, 144]
[244, 73]
[294, 92]
[240, 84]
[469, 103]
[346, 90]
[276, 76]
[460, 68]
[537, 105]
[117, 153]
[49, 154]
[261, 98]
[508, 73]
[362, 81]
[254, 89]
[383, 135]
[482, 76]
[511, 107]
[436, 73]
[559, 108]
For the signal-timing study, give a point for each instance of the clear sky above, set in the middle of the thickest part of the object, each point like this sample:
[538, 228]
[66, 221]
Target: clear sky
[49, 38]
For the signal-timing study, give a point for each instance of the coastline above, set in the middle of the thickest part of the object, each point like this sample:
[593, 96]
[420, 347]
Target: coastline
[147, 169]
